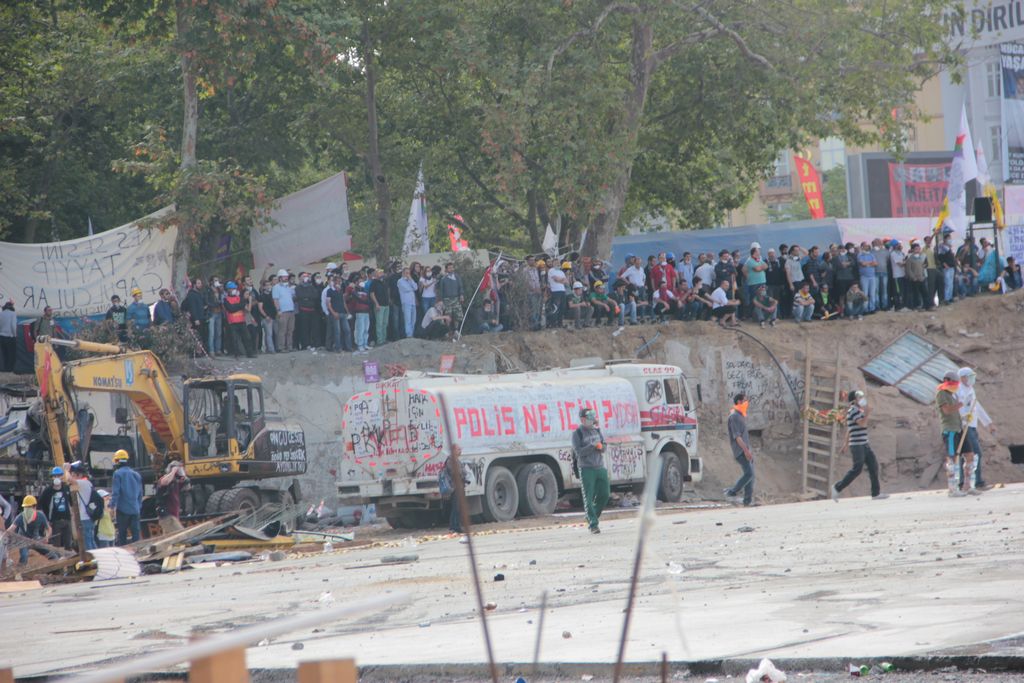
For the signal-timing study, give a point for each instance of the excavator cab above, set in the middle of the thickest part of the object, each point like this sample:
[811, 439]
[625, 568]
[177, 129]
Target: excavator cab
[224, 414]
[227, 431]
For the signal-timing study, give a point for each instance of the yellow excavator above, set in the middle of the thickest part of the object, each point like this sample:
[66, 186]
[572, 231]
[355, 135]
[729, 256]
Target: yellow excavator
[218, 429]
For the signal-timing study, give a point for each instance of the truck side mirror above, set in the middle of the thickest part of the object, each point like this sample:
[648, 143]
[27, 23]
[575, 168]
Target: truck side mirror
[700, 397]
[121, 416]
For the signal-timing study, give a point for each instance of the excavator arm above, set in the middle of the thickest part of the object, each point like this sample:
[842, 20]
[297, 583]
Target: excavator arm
[139, 375]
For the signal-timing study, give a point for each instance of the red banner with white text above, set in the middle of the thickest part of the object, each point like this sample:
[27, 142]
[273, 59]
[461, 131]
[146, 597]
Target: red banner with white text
[810, 183]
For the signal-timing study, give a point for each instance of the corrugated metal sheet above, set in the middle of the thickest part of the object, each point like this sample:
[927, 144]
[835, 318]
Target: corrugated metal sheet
[913, 365]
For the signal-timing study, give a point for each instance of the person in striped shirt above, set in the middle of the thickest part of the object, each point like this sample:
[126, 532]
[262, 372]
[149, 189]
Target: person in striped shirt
[857, 442]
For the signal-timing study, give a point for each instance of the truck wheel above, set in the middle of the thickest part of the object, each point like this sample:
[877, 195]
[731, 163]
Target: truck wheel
[242, 499]
[501, 495]
[538, 489]
[670, 489]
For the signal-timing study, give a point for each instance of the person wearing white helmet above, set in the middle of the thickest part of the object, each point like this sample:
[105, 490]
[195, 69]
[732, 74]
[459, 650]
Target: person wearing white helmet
[284, 302]
[578, 307]
[972, 412]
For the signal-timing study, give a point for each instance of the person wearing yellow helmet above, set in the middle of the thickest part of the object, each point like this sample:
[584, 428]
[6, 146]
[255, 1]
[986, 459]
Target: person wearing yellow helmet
[557, 283]
[138, 312]
[32, 524]
[126, 498]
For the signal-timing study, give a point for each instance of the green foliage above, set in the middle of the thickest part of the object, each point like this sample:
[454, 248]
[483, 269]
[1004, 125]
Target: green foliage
[833, 191]
[211, 197]
[523, 112]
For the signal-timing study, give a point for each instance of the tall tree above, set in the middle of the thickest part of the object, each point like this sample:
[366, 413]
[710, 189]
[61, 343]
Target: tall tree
[826, 67]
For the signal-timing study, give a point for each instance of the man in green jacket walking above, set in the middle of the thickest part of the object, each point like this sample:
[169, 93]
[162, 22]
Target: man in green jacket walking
[588, 445]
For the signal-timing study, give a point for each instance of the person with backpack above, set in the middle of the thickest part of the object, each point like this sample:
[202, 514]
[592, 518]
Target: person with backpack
[126, 499]
[90, 505]
[588, 447]
[55, 501]
[168, 497]
[446, 486]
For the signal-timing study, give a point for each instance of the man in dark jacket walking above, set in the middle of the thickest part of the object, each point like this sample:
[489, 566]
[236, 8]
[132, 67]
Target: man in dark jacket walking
[588, 446]
[739, 440]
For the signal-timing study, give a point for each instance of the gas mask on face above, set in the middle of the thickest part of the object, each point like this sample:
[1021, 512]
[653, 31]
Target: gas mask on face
[57, 481]
[305, 279]
[317, 280]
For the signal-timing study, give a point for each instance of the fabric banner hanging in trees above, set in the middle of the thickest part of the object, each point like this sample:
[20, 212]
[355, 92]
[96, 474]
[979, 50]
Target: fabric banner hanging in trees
[810, 183]
[311, 225]
[77, 277]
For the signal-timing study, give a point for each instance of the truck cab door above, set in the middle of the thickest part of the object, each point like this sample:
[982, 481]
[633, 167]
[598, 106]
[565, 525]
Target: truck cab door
[664, 406]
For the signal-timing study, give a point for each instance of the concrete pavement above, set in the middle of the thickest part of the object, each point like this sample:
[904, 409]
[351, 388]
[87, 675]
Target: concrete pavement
[918, 573]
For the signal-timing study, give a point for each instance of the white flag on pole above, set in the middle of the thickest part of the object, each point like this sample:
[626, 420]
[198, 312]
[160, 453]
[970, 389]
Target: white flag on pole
[417, 240]
[964, 170]
[983, 177]
[550, 244]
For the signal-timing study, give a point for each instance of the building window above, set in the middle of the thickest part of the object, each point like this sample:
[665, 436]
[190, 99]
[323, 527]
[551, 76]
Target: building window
[994, 79]
[782, 164]
[778, 212]
[833, 153]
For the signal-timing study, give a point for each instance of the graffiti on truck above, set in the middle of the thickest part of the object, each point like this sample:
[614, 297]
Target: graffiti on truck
[393, 422]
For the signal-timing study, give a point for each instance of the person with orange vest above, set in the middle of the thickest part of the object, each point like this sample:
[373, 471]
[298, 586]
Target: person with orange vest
[234, 314]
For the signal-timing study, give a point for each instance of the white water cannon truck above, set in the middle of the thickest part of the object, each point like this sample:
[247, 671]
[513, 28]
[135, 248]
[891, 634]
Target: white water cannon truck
[515, 432]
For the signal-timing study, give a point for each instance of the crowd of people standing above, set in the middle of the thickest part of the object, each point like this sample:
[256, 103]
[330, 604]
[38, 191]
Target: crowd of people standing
[284, 311]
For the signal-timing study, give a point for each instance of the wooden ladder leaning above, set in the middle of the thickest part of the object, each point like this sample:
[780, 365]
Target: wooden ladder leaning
[821, 442]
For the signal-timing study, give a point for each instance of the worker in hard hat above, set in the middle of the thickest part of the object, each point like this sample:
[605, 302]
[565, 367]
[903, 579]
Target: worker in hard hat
[126, 498]
[83, 486]
[558, 281]
[138, 312]
[55, 502]
[32, 524]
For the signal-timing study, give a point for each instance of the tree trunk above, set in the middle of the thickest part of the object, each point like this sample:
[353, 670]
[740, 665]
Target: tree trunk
[531, 222]
[380, 184]
[599, 237]
[189, 135]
